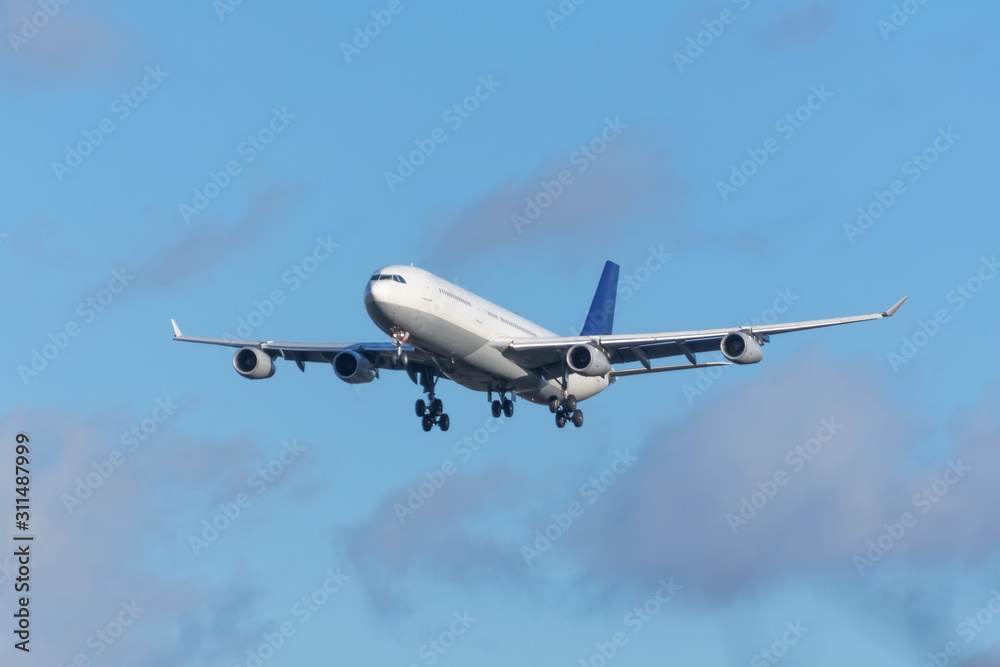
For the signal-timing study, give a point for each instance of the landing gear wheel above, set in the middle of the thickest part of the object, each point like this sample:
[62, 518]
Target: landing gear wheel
[495, 409]
[421, 407]
[570, 403]
[427, 422]
[554, 404]
[560, 419]
[508, 408]
[437, 407]
[578, 418]
[444, 422]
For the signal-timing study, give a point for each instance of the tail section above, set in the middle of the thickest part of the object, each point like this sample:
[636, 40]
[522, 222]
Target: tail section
[601, 317]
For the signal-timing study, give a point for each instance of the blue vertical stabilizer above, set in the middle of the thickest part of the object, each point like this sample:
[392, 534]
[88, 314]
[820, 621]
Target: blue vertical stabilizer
[601, 317]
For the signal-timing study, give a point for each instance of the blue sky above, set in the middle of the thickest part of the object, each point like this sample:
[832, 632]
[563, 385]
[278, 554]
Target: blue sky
[257, 116]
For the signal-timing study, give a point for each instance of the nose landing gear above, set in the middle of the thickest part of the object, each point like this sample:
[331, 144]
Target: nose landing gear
[398, 338]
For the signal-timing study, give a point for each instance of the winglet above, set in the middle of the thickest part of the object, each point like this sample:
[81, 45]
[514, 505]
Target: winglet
[601, 317]
[892, 311]
[177, 329]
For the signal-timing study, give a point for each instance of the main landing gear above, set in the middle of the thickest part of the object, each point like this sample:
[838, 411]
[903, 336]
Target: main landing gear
[566, 410]
[434, 413]
[503, 406]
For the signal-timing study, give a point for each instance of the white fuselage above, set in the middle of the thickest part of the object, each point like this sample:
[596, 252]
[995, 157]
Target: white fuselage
[458, 326]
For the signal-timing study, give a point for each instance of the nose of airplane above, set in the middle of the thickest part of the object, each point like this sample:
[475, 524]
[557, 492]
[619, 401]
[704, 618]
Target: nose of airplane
[374, 292]
[377, 299]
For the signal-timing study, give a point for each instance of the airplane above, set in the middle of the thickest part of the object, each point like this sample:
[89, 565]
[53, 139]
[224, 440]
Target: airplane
[439, 330]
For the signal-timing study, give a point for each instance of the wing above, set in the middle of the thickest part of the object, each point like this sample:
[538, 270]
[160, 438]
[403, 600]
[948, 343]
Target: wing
[628, 348]
[381, 354]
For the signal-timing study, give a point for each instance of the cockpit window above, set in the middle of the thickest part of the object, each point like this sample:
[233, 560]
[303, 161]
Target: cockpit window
[387, 276]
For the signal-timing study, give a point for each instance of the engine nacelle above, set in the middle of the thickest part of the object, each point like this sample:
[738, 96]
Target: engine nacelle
[741, 348]
[253, 363]
[353, 368]
[587, 360]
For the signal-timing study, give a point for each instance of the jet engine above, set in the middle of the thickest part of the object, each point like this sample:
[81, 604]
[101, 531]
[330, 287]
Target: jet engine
[353, 368]
[741, 348]
[587, 360]
[253, 363]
